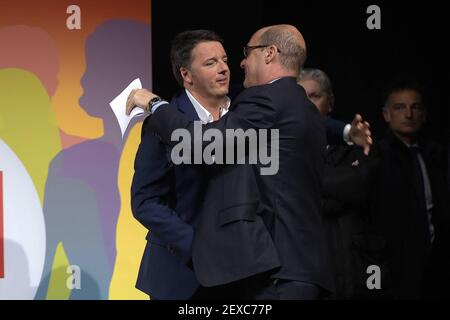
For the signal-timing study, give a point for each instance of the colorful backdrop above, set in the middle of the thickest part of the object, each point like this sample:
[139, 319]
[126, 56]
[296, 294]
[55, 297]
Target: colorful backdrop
[66, 227]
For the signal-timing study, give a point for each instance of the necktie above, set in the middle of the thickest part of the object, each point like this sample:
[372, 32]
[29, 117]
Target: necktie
[420, 188]
[419, 178]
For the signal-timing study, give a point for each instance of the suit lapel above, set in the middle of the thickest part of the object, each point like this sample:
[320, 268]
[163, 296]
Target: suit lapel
[401, 158]
[181, 100]
[184, 105]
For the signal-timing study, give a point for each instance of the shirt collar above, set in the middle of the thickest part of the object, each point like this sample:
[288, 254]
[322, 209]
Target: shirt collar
[272, 81]
[204, 115]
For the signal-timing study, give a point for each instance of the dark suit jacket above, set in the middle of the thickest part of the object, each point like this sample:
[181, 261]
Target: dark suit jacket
[252, 223]
[335, 131]
[166, 200]
[354, 242]
[405, 226]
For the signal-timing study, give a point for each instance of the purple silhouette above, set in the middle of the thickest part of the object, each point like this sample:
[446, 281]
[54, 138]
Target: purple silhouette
[82, 198]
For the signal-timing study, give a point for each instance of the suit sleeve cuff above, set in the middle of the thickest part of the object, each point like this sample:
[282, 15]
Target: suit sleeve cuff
[157, 105]
[346, 134]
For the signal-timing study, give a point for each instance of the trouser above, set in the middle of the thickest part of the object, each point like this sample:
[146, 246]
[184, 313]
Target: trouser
[280, 289]
[260, 287]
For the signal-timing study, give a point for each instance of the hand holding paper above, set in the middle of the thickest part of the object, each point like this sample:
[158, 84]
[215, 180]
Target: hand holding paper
[139, 98]
[118, 106]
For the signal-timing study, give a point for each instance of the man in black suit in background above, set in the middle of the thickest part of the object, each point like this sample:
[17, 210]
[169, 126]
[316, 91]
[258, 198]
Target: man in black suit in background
[261, 236]
[412, 197]
[354, 242]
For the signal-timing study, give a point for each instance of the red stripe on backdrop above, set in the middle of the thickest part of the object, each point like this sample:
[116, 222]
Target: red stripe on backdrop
[2, 260]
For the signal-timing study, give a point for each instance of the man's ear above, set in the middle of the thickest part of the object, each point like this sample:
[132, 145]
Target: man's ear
[270, 53]
[186, 75]
[386, 115]
[331, 107]
[423, 117]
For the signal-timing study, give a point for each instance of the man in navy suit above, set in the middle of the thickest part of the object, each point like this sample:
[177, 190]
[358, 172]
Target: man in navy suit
[166, 198]
[236, 243]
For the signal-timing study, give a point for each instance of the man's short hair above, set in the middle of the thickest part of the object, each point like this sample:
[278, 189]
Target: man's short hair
[320, 77]
[403, 83]
[292, 55]
[182, 46]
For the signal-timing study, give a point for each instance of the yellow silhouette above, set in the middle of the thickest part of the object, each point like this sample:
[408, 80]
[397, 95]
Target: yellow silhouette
[28, 124]
[130, 237]
[57, 288]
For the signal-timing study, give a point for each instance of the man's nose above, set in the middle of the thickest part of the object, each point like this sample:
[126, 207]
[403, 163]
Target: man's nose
[242, 65]
[223, 68]
[408, 112]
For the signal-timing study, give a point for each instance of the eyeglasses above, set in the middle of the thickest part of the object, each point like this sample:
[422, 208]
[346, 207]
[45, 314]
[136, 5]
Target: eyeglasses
[247, 49]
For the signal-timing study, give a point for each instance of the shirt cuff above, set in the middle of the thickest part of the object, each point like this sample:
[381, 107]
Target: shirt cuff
[157, 105]
[346, 134]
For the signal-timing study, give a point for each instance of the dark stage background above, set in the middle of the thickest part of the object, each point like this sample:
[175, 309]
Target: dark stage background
[359, 61]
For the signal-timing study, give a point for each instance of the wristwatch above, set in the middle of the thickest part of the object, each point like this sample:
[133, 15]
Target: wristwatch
[154, 101]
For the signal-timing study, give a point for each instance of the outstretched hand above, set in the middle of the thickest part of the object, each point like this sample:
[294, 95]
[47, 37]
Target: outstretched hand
[360, 133]
[139, 98]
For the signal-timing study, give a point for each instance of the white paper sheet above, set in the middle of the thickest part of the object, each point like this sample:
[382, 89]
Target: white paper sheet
[118, 106]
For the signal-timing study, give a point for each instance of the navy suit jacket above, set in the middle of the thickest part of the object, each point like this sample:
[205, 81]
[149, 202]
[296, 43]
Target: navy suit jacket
[334, 128]
[166, 199]
[252, 223]
[335, 131]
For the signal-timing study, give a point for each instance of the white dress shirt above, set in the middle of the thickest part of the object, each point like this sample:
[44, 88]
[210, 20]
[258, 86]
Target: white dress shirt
[204, 115]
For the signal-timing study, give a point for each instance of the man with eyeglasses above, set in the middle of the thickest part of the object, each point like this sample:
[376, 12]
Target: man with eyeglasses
[248, 48]
[261, 236]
